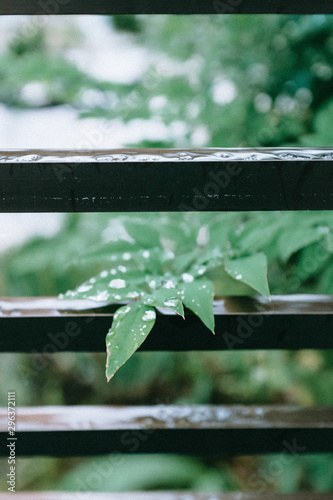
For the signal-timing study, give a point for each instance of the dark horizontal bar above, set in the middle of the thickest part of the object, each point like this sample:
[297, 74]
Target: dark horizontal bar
[169, 180]
[174, 495]
[287, 322]
[44, 7]
[227, 430]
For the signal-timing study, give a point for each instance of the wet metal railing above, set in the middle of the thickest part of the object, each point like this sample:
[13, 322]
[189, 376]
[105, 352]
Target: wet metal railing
[45, 7]
[166, 180]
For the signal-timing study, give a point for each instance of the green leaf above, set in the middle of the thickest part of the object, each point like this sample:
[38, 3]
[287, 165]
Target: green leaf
[165, 297]
[198, 296]
[134, 472]
[172, 232]
[111, 251]
[144, 234]
[326, 280]
[225, 285]
[221, 227]
[209, 260]
[184, 260]
[130, 327]
[329, 242]
[312, 260]
[298, 237]
[251, 270]
[259, 232]
[152, 260]
[109, 286]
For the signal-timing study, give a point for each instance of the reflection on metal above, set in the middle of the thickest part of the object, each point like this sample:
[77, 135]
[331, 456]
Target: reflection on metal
[36, 7]
[165, 155]
[164, 180]
[174, 495]
[85, 418]
[285, 322]
[88, 430]
[278, 304]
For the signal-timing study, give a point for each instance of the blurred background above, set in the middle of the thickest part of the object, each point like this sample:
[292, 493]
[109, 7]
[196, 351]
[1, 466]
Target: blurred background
[176, 81]
[162, 81]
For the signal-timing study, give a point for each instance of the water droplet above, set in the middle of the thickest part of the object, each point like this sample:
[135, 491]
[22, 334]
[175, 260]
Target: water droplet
[222, 155]
[118, 158]
[239, 277]
[126, 256]
[187, 277]
[103, 274]
[117, 283]
[101, 296]
[104, 158]
[132, 295]
[146, 254]
[149, 315]
[28, 158]
[84, 288]
[170, 303]
[122, 269]
[169, 284]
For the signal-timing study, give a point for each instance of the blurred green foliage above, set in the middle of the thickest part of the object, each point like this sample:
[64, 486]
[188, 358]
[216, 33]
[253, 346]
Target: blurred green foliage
[211, 76]
[225, 81]
[34, 74]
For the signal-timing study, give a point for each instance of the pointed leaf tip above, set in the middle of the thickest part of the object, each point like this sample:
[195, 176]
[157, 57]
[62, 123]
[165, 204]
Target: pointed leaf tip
[198, 296]
[130, 327]
[251, 270]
